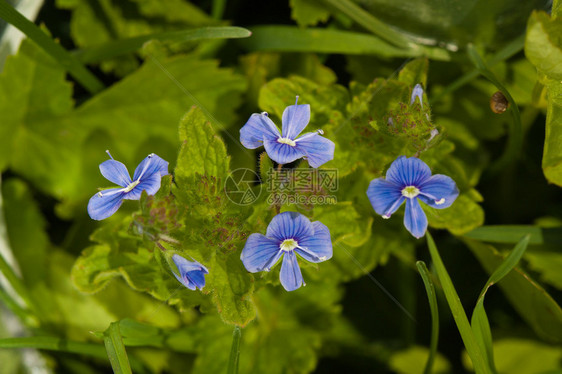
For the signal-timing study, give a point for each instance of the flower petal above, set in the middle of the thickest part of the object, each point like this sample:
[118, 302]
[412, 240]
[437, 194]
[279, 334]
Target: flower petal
[260, 253]
[152, 164]
[191, 273]
[439, 191]
[282, 153]
[316, 248]
[115, 172]
[290, 275]
[408, 171]
[258, 128]
[317, 149]
[290, 225]
[386, 197]
[415, 219]
[101, 207]
[417, 92]
[295, 118]
[149, 184]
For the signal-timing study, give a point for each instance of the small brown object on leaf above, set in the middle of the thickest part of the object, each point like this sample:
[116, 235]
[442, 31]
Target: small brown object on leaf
[498, 102]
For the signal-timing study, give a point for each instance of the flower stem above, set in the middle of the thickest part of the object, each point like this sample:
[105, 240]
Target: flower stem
[234, 351]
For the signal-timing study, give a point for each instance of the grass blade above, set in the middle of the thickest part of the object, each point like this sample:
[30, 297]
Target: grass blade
[128, 45]
[234, 351]
[61, 55]
[55, 344]
[457, 310]
[515, 140]
[432, 298]
[369, 22]
[116, 350]
[510, 234]
[479, 321]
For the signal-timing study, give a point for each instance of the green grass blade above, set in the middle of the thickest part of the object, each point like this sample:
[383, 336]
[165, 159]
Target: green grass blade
[512, 233]
[515, 140]
[55, 344]
[124, 46]
[61, 55]
[432, 298]
[457, 310]
[116, 350]
[479, 320]
[234, 351]
[369, 22]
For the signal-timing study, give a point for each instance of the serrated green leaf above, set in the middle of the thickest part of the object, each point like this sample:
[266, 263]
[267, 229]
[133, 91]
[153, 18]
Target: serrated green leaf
[530, 300]
[308, 12]
[116, 350]
[415, 72]
[203, 152]
[461, 217]
[543, 44]
[231, 288]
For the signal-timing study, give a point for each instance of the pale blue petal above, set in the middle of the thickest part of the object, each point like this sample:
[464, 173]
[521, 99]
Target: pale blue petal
[282, 153]
[290, 225]
[290, 276]
[417, 92]
[415, 219]
[316, 248]
[439, 191]
[260, 253]
[150, 166]
[386, 197]
[258, 128]
[101, 207]
[408, 171]
[115, 172]
[149, 184]
[317, 149]
[295, 119]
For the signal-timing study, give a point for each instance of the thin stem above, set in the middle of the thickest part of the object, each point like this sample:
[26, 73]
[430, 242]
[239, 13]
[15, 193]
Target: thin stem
[430, 290]
[234, 351]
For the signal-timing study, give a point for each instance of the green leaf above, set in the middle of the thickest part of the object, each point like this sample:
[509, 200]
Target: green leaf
[235, 351]
[479, 320]
[415, 72]
[537, 356]
[408, 361]
[548, 264]
[552, 153]
[457, 310]
[293, 39]
[461, 217]
[432, 298]
[116, 350]
[308, 12]
[58, 53]
[231, 289]
[120, 47]
[513, 233]
[203, 152]
[543, 44]
[530, 300]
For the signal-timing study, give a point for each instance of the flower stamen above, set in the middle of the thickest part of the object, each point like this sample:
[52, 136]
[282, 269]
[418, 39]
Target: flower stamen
[286, 141]
[288, 245]
[410, 192]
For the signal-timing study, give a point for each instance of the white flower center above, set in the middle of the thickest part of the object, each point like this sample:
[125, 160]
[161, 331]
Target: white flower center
[286, 141]
[132, 185]
[288, 245]
[410, 192]
[440, 201]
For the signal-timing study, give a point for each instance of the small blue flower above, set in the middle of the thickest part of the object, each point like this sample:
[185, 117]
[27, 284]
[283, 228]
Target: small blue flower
[286, 147]
[410, 179]
[417, 92]
[288, 234]
[192, 273]
[146, 178]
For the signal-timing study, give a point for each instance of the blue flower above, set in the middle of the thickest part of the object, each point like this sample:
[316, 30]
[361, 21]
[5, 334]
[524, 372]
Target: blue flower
[410, 179]
[146, 178]
[288, 234]
[192, 273]
[287, 146]
[417, 92]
